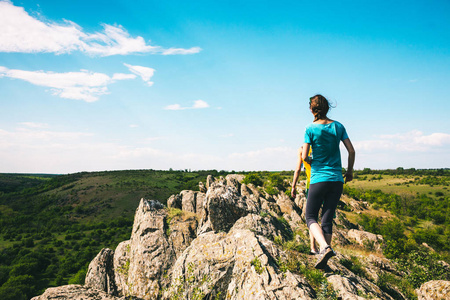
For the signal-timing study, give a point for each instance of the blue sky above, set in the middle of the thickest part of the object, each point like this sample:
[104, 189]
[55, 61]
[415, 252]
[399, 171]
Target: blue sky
[112, 85]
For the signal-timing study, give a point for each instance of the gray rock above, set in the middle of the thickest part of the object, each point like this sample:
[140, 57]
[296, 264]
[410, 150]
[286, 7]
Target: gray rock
[266, 226]
[200, 203]
[122, 267]
[351, 287]
[100, 274]
[366, 239]
[270, 207]
[174, 201]
[234, 180]
[209, 180]
[202, 187]
[74, 292]
[434, 290]
[223, 207]
[188, 201]
[238, 266]
[183, 230]
[151, 254]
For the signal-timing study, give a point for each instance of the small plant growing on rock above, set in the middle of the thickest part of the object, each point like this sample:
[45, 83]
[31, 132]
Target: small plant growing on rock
[354, 265]
[326, 292]
[264, 214]
[257, 264]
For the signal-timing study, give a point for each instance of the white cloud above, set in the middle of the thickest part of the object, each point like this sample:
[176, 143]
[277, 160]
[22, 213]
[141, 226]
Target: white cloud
[144, 72]
[174, 51]
[412, 149]
[406, 142]
[34, 125]
[197, 105]
[200, 104]
[21, 32]
[174, 107]
[83, 85]
[121, 76]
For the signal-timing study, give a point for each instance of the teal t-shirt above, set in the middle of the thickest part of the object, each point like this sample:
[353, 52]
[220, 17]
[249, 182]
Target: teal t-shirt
[326, 157]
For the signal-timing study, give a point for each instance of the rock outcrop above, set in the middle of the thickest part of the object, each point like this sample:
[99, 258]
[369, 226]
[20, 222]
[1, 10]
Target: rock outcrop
[434, 290]
[74, 292]
[233, 241]
[100, 274]
[365, 238]
[236, 265]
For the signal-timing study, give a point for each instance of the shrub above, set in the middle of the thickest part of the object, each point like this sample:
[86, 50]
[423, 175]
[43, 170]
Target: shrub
[253, 178]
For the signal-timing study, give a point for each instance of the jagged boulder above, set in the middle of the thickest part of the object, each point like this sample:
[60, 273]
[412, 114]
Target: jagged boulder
[74, 292]
[182, 231]
[234, 180]
[268, 226]
[238, 265]
[434, 290]
[174, 201]
[202, 187]
[100, 274]
[190, 201]
[349, 285]
[366, 239]
[291, 212]
[122, 267]
[223, 206]
[150, 251]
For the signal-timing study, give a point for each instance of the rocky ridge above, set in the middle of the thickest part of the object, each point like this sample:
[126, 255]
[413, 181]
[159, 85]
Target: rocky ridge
[234, 241]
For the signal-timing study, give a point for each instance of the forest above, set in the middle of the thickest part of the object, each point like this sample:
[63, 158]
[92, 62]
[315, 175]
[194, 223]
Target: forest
[52, 226]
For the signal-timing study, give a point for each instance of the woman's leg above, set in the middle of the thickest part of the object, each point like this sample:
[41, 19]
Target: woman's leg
[315, 199]
[312, 242]
[331, 199]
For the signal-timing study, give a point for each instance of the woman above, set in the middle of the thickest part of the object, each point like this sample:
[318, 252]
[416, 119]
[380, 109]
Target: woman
[324, 136]
[312, 241]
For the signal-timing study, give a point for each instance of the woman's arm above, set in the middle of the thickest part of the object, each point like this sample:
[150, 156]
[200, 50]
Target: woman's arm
[305, 152]
[297, 172]
[351, 160]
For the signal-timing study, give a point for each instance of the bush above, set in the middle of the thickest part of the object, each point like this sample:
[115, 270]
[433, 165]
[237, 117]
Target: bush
[253, 178]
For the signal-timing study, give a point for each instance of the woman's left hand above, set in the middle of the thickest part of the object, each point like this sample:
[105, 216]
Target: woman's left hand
[348, 176]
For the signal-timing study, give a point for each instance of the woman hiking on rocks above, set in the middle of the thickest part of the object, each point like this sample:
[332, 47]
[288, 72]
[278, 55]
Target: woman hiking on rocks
[324, 136]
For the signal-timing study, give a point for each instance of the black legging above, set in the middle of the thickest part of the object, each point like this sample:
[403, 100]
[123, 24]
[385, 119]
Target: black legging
[328, 193]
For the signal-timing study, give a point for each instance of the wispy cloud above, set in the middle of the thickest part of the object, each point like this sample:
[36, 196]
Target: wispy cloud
[83, 85]
[20, 32]
[34, 125]
[197, 105]
[406, 142]
[45, 150]
[144, 72]
[410, 149]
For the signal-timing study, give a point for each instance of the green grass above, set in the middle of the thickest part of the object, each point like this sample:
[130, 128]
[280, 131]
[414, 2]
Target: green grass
[399, 184]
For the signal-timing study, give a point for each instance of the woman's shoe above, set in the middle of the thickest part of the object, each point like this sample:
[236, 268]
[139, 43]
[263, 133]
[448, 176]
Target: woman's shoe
[324, 256]
[313, 252]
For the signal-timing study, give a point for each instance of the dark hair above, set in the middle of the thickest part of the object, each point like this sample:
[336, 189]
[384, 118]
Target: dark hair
[319, 106]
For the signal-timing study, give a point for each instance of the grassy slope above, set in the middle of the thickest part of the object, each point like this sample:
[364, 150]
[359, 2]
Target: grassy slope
[399, 184]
